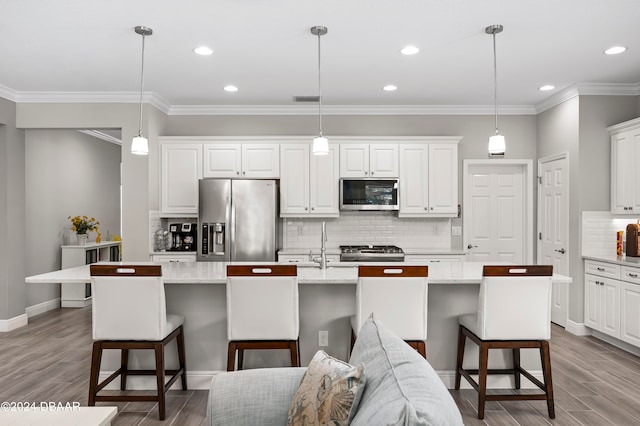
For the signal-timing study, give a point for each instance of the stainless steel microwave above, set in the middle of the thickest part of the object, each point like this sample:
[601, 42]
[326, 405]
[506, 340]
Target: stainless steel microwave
[369, 194]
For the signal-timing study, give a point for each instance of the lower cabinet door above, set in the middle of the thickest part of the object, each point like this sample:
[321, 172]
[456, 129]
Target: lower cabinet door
[630, 308]
[592, 301]
[610, 307]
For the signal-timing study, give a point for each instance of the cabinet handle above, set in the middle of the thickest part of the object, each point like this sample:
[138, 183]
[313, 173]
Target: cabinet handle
[434, 261]
[313, 208]
[632, 275]
[372, 173]
[600, 269]
[244, 173]
[238, 173]
[306, 208]
[366, 173]
[431, 208]
[426, 208]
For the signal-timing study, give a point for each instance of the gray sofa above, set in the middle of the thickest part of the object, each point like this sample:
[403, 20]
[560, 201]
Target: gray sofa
[401, 388]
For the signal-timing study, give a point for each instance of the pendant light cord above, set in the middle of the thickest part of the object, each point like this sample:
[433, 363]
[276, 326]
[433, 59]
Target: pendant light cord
[495, 80]
[319, 88]
[141, 86]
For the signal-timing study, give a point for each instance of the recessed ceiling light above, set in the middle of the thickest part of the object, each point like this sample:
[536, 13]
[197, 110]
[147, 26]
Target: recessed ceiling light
[203, 51]
[615, 50]
[230, 88]
[409, 50]
[390, 88]
[547, 87]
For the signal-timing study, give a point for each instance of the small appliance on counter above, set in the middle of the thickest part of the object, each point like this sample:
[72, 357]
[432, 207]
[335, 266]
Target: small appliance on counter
[633, 239]
[183, 236]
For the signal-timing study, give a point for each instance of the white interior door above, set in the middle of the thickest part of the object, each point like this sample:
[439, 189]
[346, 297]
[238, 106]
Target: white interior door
[553, 227]
[497, 211]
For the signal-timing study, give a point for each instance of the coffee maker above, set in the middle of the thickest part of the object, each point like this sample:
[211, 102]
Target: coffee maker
[183, 236]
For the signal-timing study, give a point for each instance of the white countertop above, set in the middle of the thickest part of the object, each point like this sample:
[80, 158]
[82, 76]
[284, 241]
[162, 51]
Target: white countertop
[425, 251]
[215, 273]
[620, 260]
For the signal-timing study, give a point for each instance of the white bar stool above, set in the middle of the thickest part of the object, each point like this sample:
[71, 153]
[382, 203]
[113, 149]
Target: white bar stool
[129, 312]
[397, 296]
[262, 310]
[514, 312]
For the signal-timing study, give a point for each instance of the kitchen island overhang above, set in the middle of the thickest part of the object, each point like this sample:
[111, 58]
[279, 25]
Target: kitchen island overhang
[327, 300]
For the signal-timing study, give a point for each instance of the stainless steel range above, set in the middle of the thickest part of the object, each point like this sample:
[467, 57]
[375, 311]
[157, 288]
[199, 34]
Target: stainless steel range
[368, 253]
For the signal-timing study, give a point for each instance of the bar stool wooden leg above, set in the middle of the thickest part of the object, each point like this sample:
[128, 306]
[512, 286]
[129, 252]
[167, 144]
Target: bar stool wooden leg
[545, 356]
[182, 358]
[124, 366]
[461, 342]
[240, 358]
[516, 367]
[295, 356]
[96, 358]
[482, 378]
[159, 352]
[231, 356]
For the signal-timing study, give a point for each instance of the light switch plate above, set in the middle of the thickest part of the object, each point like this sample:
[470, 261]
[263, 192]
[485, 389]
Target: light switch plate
[456, 230]
[323, 338]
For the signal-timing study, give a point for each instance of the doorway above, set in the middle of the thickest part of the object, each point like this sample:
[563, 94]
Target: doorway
[553, 227]
[498, 210]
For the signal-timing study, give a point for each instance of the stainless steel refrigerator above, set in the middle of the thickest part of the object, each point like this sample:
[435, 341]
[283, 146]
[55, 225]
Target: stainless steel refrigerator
[238, 220]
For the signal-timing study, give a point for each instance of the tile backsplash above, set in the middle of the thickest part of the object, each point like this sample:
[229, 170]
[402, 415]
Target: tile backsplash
[599, 232]
[379, 228]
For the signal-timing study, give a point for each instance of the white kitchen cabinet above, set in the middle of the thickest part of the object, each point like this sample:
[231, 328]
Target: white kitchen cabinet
[78, 295]
[180, 170]
[428, 180]
[173, 257]
[625, 173]
[368, 160]
[602, 297]
[247, 160]
[630, 305]
[308, 183]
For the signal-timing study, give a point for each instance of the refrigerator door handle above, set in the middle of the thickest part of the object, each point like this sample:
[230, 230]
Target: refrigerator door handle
[232, 230]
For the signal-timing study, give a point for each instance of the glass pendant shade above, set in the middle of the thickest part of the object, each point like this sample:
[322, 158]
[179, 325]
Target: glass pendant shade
[496, 145]
[320, 146]
[140, 146]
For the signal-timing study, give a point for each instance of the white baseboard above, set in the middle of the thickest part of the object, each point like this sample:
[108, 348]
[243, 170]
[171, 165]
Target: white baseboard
[43, 307]
[577, 328]
[617, 343]
[13, 323]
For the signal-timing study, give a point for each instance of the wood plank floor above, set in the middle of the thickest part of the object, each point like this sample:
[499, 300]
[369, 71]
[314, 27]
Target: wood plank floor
[48, 361]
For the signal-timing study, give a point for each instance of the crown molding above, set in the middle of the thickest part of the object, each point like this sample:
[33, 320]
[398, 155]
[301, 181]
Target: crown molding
[92, 97]
[8, 93]
[101, 135]
[588, 89]
[350, 110]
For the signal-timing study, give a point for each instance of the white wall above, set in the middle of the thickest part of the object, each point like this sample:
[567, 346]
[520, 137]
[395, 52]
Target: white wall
[67, 173]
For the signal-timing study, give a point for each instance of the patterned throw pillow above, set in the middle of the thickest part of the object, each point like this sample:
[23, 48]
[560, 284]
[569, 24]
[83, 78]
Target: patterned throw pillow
[329, 392]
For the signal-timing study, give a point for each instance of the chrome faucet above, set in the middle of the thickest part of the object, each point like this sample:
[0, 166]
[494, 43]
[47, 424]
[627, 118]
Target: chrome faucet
[322, 260]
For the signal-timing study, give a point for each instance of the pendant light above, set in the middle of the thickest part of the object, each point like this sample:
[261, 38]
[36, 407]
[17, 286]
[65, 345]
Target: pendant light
[496, 142]
[320, 143]
[140, 144]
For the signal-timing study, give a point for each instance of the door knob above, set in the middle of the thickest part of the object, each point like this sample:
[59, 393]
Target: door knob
[470, 246]
[561, 251]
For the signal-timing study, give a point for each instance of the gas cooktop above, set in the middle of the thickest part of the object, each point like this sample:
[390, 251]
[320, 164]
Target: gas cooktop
[371, 253]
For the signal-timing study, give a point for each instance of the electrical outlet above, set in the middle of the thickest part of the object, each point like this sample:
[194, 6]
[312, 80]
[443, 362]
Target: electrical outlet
[323, 338]
[456, 230]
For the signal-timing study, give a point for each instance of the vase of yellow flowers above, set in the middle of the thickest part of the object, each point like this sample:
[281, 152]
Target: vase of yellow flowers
[82, 225]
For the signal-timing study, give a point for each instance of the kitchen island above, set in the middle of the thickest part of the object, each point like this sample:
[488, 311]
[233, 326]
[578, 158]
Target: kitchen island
[327, 300]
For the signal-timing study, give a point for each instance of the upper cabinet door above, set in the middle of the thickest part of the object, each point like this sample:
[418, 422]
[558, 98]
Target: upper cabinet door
[294, 180]
[261, 161]
[354, 160]
[222, 160]
[181, 168]
[383, 160]
[625, 173]
[414, 181]
[324, 183]
[443, 178]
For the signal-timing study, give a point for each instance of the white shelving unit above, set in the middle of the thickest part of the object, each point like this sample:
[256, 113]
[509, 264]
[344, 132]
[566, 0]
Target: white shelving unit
[75, 295]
